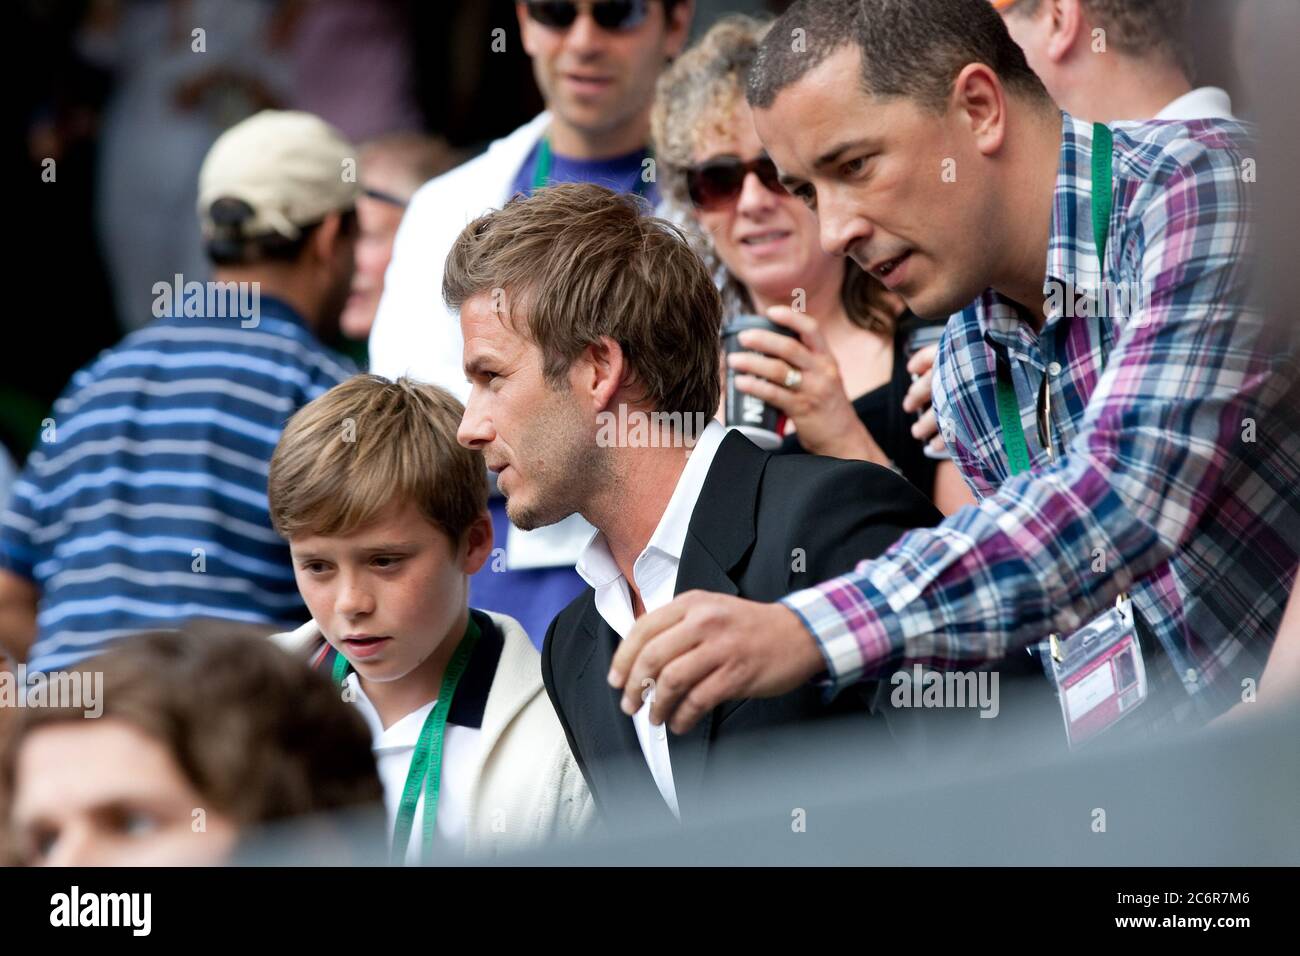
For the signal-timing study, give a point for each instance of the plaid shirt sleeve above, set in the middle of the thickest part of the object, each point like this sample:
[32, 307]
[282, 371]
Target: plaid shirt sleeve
[1138, 474]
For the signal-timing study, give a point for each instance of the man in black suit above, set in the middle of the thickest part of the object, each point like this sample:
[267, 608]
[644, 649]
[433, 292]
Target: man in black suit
[591, 343]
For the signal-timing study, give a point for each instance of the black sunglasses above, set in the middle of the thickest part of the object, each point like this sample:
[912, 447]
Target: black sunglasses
[719, 181]
[608, 14]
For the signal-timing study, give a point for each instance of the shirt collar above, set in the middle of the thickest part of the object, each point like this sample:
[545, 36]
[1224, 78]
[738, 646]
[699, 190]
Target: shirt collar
[405, 733]
[467, 707]
[1204, 102]
[1071, 248]
[273, 308]
[596, 564]
[268, 307]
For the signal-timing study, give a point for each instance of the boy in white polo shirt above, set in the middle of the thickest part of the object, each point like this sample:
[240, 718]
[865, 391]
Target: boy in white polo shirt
[386, 518]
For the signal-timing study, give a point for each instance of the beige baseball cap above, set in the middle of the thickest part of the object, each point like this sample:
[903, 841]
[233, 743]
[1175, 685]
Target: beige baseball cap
[291, 167]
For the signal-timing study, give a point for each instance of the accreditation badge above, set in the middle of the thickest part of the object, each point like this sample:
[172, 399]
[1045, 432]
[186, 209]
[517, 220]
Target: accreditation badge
[1099, 673]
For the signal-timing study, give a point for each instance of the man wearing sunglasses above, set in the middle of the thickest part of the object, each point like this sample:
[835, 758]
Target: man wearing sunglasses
[596, 64]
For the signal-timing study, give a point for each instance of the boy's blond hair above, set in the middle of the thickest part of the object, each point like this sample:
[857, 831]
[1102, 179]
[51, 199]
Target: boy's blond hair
[367, 443]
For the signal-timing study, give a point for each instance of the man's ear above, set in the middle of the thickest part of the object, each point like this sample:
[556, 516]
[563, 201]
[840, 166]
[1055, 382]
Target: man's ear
[477, 544]
[600, 372]
[525, 28]
[324, 239]
[1065, 23]
[678, 28]
[979, 98]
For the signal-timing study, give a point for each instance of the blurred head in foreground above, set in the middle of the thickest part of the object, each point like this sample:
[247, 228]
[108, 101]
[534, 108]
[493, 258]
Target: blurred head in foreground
[201, 738]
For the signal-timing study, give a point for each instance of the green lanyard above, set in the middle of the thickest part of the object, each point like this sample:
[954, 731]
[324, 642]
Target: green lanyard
[1013, 432]
[545, 159]
[426, 763]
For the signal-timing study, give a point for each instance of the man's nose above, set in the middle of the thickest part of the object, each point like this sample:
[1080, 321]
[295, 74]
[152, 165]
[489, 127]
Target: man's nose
[475, 429]
[841, 227]
[585, 35]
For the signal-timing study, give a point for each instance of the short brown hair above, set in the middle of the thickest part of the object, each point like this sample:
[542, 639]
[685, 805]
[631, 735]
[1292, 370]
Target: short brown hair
[583, 262]
[702, 87]
[367, 443]
[911, 48]
[256, 732]
[1135, 27]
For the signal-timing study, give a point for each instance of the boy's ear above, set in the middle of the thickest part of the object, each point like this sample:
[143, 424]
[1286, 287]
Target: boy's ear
[477, 543]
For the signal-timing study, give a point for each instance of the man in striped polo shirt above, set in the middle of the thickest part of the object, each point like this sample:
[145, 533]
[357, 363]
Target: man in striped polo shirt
[143, 503]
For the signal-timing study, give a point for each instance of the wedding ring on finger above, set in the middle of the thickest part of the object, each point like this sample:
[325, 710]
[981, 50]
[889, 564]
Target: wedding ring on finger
[793, 379]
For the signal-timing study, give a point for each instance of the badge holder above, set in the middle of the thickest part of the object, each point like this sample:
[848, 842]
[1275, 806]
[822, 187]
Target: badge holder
[1099, 673]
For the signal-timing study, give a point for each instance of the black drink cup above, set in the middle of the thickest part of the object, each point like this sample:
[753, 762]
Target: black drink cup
[761, 423]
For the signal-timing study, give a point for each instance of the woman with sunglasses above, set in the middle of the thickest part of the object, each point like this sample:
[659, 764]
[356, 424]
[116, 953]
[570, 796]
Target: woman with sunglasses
[842, 380]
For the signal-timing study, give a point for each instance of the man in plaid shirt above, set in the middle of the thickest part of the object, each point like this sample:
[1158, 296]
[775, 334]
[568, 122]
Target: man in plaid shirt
[937, 161]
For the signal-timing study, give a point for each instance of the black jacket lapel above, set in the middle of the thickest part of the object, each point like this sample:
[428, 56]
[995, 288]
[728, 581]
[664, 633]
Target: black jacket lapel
[628, 783]
[719, 537]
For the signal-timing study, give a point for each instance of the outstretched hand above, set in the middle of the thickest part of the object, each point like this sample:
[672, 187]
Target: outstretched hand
[703, 649]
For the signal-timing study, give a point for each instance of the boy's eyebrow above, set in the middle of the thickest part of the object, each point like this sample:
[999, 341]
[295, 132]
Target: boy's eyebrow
[390, 546]
[395, 545]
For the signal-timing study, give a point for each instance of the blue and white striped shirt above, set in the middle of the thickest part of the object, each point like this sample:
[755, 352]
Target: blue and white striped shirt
[143, 503]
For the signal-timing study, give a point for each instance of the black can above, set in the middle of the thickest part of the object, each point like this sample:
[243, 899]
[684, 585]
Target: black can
[762, 423]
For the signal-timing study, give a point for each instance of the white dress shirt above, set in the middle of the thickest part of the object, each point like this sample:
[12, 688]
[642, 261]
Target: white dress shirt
[1205, 102]
[655, 573]
[394, 748]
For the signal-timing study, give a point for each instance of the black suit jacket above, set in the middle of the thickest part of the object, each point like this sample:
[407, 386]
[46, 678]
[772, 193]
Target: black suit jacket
[764, 525]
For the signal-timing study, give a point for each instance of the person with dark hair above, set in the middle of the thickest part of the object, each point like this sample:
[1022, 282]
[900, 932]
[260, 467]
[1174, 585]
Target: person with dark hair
[596, 63]
[143, 503]
[1106, 384]
[591, 342]
[201, 740]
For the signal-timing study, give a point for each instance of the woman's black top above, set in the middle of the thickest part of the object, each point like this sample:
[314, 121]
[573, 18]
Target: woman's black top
[881, 410]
